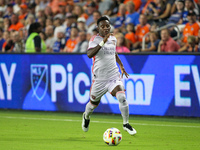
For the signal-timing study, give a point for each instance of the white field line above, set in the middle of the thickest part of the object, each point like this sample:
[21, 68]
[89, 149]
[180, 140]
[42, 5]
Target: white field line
[71, 120]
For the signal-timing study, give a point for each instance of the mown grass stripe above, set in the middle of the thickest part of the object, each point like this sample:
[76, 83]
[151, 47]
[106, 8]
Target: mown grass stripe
[71, 120]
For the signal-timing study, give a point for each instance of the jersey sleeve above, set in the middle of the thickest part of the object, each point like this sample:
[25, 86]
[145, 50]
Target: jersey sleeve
[93, 42]
[115, 42]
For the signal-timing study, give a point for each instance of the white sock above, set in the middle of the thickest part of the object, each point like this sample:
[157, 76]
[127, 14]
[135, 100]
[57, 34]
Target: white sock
[89, 110]
[123, 106]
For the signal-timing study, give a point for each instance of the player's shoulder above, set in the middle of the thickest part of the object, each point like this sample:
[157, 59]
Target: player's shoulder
[94, 38]
[112, 37]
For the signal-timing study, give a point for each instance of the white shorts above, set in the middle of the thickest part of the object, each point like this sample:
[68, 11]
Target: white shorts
[99, 88]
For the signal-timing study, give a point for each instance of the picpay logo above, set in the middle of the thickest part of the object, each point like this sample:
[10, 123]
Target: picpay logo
[139, 88]
[6, 79]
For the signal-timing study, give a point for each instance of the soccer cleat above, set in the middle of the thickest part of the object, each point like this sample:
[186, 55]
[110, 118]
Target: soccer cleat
[127, 127]
[85, 123]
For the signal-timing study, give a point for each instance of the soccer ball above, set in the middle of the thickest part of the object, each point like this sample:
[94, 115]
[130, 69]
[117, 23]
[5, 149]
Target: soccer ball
[112, 136]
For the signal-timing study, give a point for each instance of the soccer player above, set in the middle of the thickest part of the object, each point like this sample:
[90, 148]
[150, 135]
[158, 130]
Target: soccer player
[106, 76]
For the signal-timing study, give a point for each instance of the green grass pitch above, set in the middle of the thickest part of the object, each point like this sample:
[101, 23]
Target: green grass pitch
[28, 130]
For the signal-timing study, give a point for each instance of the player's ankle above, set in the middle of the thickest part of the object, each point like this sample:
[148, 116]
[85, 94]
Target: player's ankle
[124, 123]
[86, 117]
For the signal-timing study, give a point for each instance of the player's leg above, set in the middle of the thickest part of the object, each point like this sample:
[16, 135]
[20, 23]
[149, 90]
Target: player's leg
[86, 115]
[97, 90]
[91, 105]
[119, 93]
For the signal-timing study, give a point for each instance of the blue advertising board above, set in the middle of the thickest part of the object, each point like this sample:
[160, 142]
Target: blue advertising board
[163, 85]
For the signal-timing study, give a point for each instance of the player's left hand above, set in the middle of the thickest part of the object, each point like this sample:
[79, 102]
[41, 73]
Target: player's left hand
[123, 71]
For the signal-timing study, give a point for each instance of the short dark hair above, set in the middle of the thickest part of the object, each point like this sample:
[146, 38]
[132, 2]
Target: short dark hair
[34, 26]
[101, 19]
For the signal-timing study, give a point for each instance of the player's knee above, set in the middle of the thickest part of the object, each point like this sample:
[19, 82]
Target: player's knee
[121, 97]
[95, 104]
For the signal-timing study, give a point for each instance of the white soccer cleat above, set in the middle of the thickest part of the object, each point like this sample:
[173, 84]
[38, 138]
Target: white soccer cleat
[127, 127]
[85, 123]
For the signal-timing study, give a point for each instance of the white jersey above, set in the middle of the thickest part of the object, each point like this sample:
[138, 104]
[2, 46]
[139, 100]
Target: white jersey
[104, 62]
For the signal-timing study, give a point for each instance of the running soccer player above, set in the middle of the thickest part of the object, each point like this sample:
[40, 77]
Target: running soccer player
[106, 76]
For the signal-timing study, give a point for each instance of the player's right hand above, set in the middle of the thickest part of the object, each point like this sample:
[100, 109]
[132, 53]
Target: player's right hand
[106, 37]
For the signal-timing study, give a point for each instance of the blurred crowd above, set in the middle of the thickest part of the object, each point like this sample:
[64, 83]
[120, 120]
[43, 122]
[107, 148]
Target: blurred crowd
[66, 26]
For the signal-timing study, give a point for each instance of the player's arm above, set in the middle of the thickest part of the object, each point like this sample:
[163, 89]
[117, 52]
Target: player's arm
[93, 51]
[123, 71]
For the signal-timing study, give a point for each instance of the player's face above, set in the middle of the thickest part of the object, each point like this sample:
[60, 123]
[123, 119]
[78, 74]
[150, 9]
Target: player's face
[104, 28]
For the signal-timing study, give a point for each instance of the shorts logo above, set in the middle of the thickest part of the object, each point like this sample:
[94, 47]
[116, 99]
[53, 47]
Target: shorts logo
[39, 80]
[93, 97]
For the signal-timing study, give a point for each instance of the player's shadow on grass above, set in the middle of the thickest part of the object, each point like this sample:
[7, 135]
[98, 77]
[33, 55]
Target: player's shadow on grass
[81, 139]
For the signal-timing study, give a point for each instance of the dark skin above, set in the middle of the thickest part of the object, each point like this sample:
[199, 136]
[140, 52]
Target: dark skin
[38, 30]
[104, 31]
